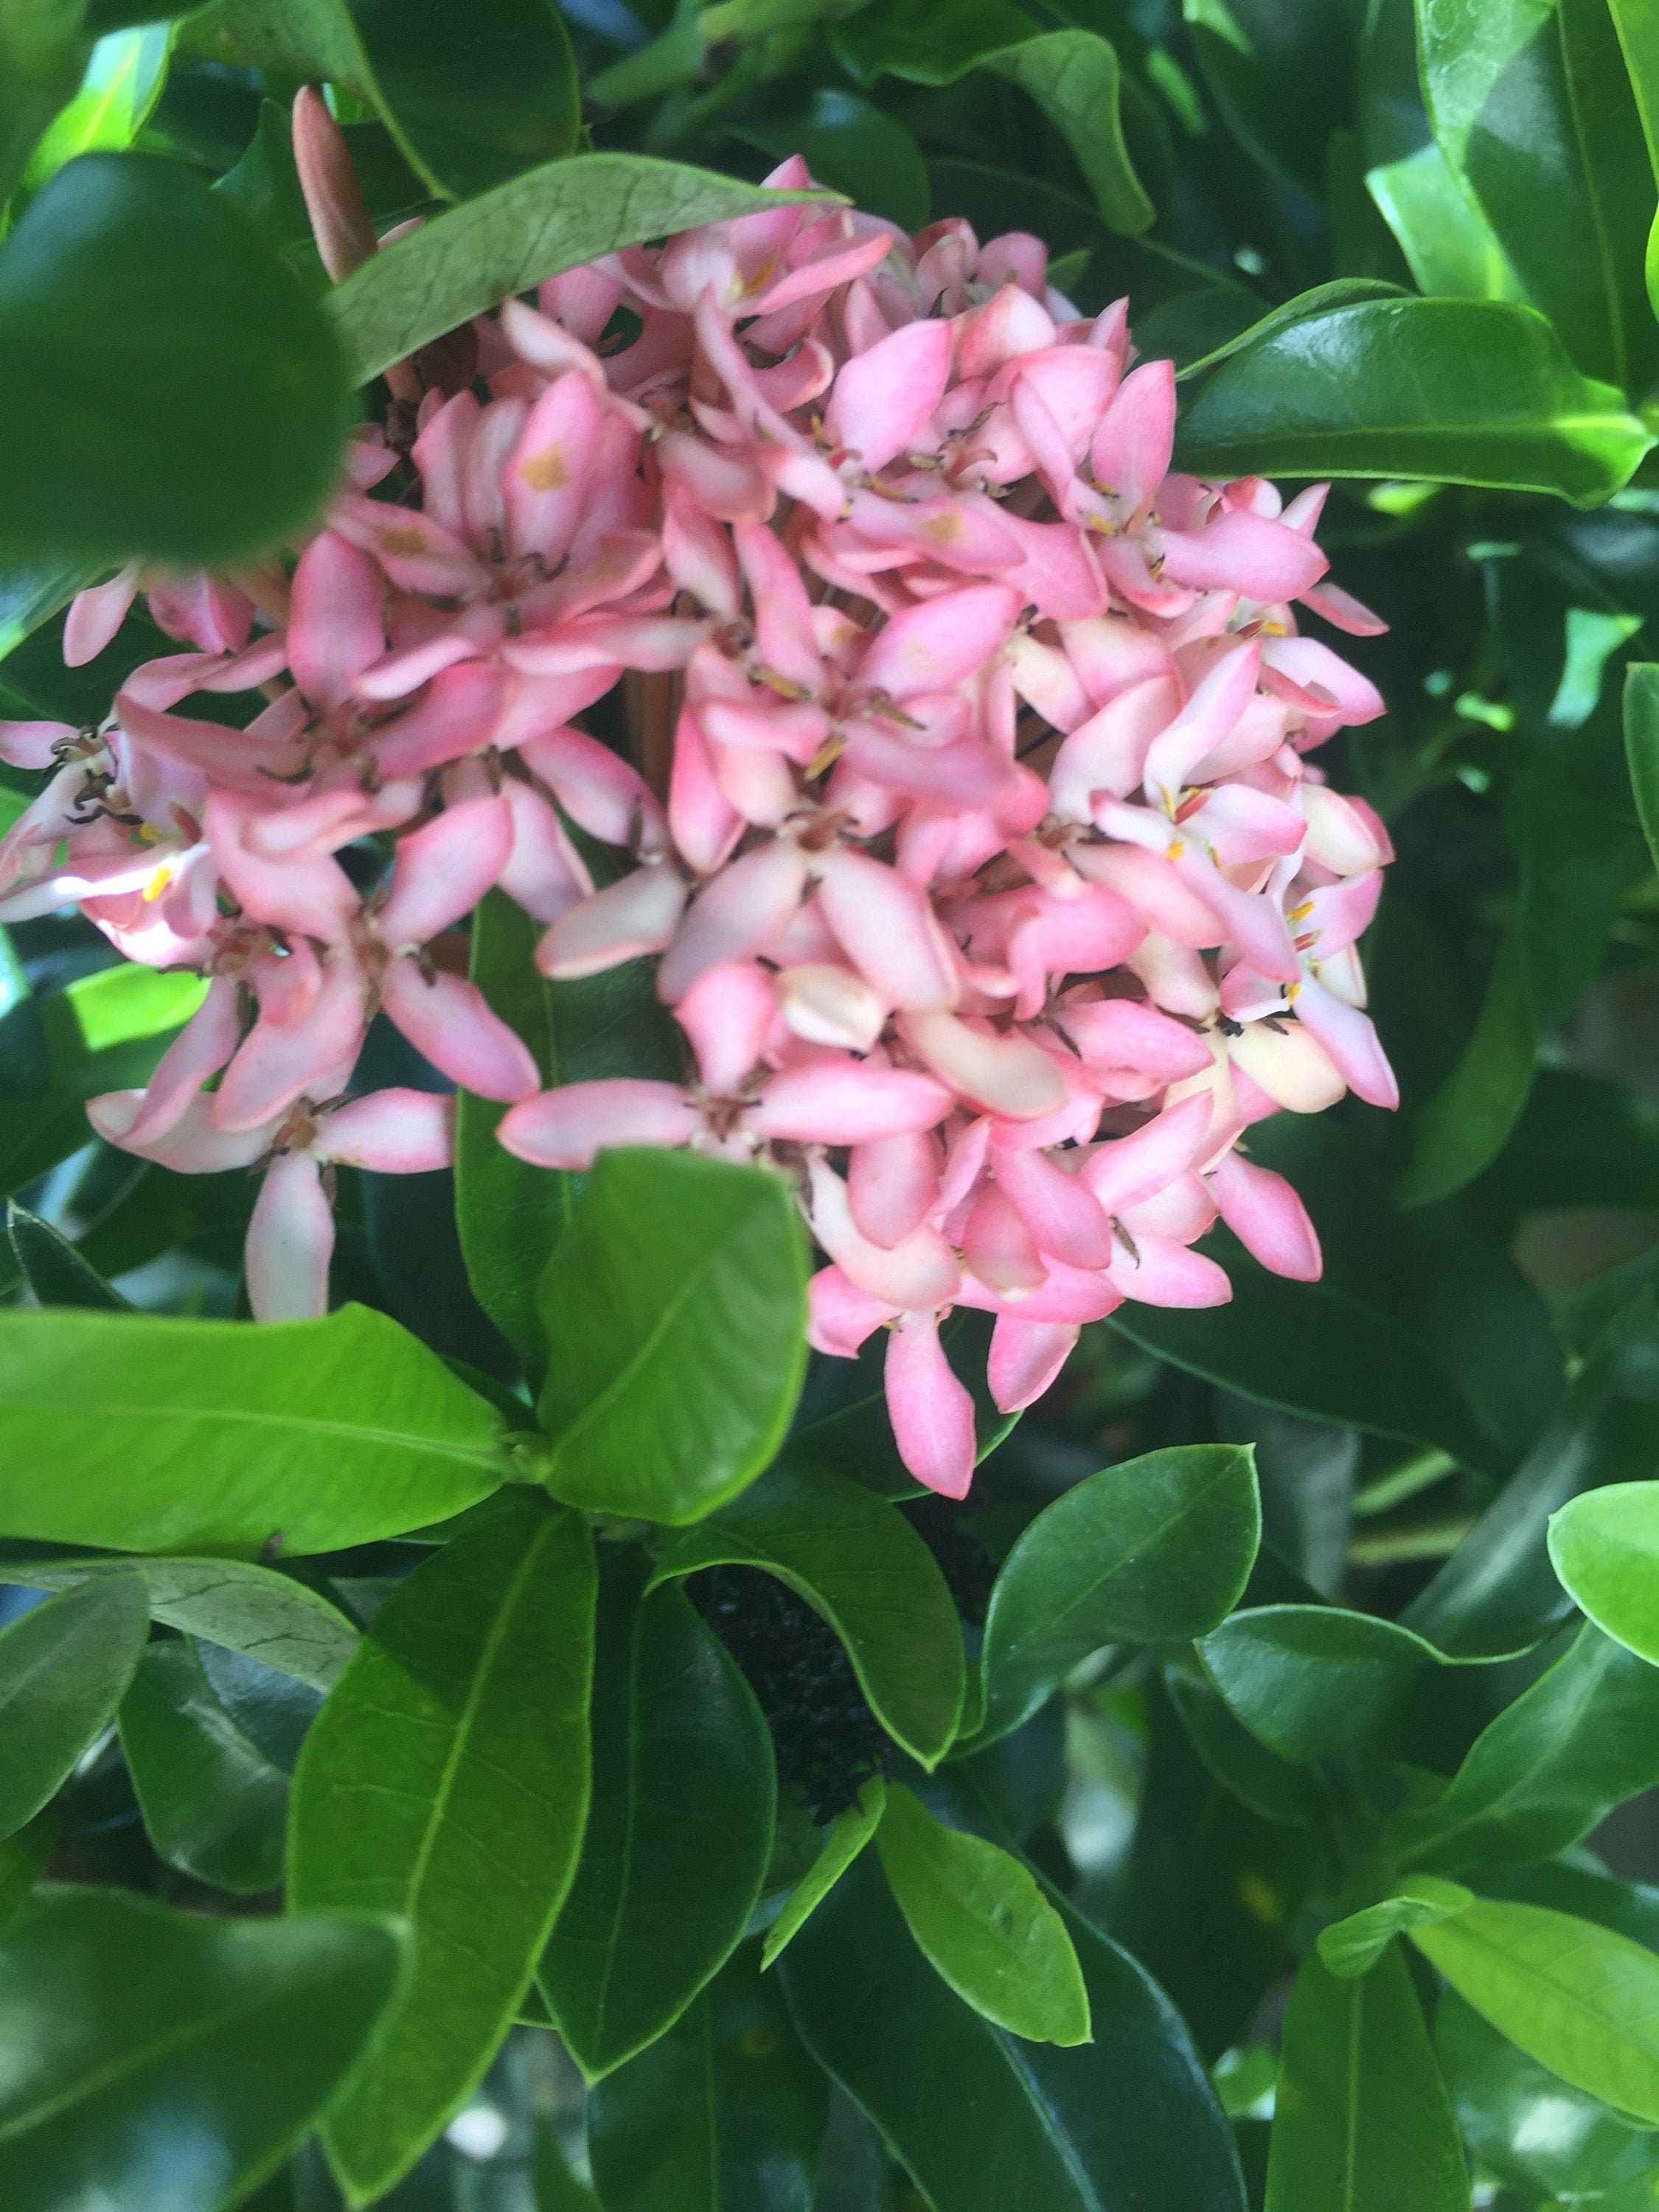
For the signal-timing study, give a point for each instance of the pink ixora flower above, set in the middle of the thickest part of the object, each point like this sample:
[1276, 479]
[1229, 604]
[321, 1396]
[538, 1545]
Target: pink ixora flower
[967, 807]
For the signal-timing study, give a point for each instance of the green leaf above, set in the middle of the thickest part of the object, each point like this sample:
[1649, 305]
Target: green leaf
[1531, 107]
[446, 1780]
[123, 82]
[853, 148]
[42, 49]
[1362, 2119]
[1129, 2119]
[470, 98]
[856, 1560]
[210, 1436]
[679, 1832]
[1457, 390]
[184, 397]
[724, 2113]
[985, 1927]
[1275, 1788]
[213, 1805]
[65, 1668]
[469, 259]
[238, 2031]
[1311, 1681]
[1605, 1547]
[675, 1308]
[1342, 292]
[1352, 1946]
[52, 1266]
[1583, 1739]
[1444, 236]
[845, 1837]
[1155, 1550]
[1580, 1999]
[247, 1609]
[511, 1215]
[1642, 746]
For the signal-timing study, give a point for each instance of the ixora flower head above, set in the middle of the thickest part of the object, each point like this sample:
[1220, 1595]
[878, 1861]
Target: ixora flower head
[971, 818]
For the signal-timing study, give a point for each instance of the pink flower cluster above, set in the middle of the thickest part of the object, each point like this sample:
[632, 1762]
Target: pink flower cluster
[976, 836]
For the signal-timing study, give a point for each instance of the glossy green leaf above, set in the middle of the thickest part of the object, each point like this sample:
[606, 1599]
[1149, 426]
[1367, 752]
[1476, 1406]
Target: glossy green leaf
[983, 1924]
[1583, 1739]
[1155, 1550]
[238, 2031]
[843, 1839]
[247, 1609]
[724, 2113]
[1312, 1680]
[1605, 1547]
[273, 1711]
[509, 239]
[1580, 1999]
[675, 1308]
[185, 398]
[1352, 1946]
[213, 1805]
[65, 1668]
[1444, 236]
[680, 1829]
[123, 82]
[858, 1561]
[1342, 291]
[209, 1435]
[446, 1781]
[1362, 2119]
[52, 1266]
[1460, 391]
[1129, 2119]
[1276, 1788]
[1531, 107]
[1642, 746]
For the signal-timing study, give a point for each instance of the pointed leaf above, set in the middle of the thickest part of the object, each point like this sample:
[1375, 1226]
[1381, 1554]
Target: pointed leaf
[1313, 1680]
[213, 1805]
[843, 1839]
[1352, 1946]
[1605, 1547]
[53, 1269]
[65, 1668]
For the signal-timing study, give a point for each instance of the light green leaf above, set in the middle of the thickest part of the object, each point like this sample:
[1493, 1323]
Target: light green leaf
[845, 1837]
[985, 1925]
[1455, 390]
[1361, 2120]
[65, 1668]
[1580, 1999]
[238, 2031]
[123, 83]
[1154, 1550]
[213, 1805]
[1604, 1545]
[446, 1781]
[1352, 1946]
[1444, 236]
[207, 1436]
[675, 1308]
[856, 1560]
[472, 258]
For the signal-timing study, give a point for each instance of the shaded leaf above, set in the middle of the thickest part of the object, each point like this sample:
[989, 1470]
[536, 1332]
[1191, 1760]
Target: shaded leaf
[213, 1805]
[843, 1839]
[65, 1668]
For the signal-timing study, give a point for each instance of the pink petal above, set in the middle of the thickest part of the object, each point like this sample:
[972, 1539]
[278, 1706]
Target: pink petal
[1121, 1033]
[920, 1270]
[314, 897]
[1343, 610]
[459, 713]
[1350, 1041]
[846, 1102]
[783, 614]
[1108, 752]
[726, 1014]
[191, 1145]
[1006, 1075]
[1000, 1248]
[840, 1316]
[638, 913]
[1058, 1208]
[1289, 1065]
[734, 915]
[340, 221]
[29, 744]
[1309, 663]
[281, 1061]
[704, 823]
[888, 929]
[201, 1048]
[1025, 1358]
[1216, 704]
[829, 1005]
[603, 793]
[567, 1128]
[1162, 1273]
[546, 480]
[1245, 553]
[1241, 825]
[95, 615]
[443, 869]
[450, 1021]
[932, 1411]
[1130, 454]
[1252, 920]
[885, 397]
[1070, 1295]
[1125, 1169]
[933, 647]
[1343, 835]
[335, 628]
[394, 1131]
[544, 874]
[892, 1184]
[1267, 1218]
[290, 1241]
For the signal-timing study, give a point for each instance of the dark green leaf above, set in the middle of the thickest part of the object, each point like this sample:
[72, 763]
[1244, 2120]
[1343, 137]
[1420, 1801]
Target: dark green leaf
[274, 1711]
[1583, 1738]
[1605, 1547]
[446, 1781]
[1312, 1680]
[1642, 746]
[1343, 292]
[679, 1833]
[1274, 1788]
[854, 149]
[183, 398]
[213, 1805]
[843, 1839]
[1352, 1946]
[65, 1668]
[1462, 391]
[856, 1560]
[238, 2031]
[1362, 2119]
[1129, 2118]
[724, 2113]
[1155, 1550]
[43, 50]
[210, 1436]
[22, 1860]
[508, 239]
[675, 1308]
[247, 1609]
[52, 1266]
[983, 1924]
[1576, 1997]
